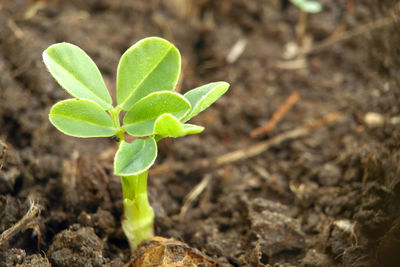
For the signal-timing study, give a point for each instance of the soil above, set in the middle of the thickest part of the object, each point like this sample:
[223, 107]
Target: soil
[329, 197]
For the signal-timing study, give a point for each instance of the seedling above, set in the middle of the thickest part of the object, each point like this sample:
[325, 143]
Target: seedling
[305, 6]
[146, 79]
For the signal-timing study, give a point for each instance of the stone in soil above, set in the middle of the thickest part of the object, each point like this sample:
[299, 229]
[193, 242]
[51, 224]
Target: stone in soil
[77, 246]
[18, 257]
[275, 231]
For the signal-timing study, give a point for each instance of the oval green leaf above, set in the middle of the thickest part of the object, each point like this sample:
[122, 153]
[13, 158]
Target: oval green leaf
[152, 64]
[312, 7]
[140, 119]
[168, 126]
[202, 97]
[81, 118]
[76, 72]
[136, 157]
[309, 6]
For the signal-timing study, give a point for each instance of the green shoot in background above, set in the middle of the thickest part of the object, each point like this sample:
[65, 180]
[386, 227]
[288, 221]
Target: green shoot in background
[146, 79]
[309, 6]
[306, 7]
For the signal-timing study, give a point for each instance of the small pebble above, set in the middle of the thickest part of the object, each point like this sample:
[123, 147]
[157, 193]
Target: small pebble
[329, 175]
[395, 120]
[275, 231]
[373, 119]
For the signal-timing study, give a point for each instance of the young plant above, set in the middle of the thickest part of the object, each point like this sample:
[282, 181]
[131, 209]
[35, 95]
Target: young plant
[305, 6]
[146, 78]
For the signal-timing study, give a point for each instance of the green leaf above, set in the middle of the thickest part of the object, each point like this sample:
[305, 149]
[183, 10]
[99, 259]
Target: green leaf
[168, 126]
[136, 157]
[76, 72]
[312, 7]
[81, 118]
[309, 6]
[140, 119]
[152, 64]
[202, 97]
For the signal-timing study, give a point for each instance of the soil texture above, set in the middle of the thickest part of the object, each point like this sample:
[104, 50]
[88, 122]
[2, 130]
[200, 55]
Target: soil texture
[319, 188]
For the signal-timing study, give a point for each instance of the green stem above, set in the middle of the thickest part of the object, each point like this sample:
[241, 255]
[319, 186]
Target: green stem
[115, 118]
[139, 216]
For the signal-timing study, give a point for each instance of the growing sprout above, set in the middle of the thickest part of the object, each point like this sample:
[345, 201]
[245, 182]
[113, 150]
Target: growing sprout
[146, 79]
[305, 6]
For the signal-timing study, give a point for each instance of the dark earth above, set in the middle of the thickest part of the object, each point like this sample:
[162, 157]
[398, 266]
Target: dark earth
[327, 197]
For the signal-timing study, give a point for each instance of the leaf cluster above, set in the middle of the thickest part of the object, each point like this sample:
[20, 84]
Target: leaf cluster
[147, 75]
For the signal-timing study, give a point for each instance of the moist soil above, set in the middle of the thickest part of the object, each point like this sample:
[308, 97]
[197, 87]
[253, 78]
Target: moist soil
[329, 197]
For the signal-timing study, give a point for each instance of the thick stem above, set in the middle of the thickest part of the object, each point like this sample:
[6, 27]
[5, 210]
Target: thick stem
[139, 216]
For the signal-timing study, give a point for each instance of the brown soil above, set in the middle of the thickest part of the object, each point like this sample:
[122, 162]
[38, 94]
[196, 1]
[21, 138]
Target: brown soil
[329, 197]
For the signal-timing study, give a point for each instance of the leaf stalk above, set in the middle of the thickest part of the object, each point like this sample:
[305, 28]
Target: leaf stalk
[120, 132]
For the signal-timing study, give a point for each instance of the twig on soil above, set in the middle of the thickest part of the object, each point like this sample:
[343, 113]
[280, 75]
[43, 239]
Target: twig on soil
[263, 146]
[277, 116]
[33, 9]
[350, 6]
[262, 172]
[18, 33]
[236, 50]
[193, 195]
[246, 153]
[294, 64]
[357, 31]
[32, 213]
[336, 33]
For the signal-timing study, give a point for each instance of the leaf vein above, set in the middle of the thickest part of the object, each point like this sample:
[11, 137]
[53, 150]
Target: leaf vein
[145, 77]
[80, 82]
[77, 119]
